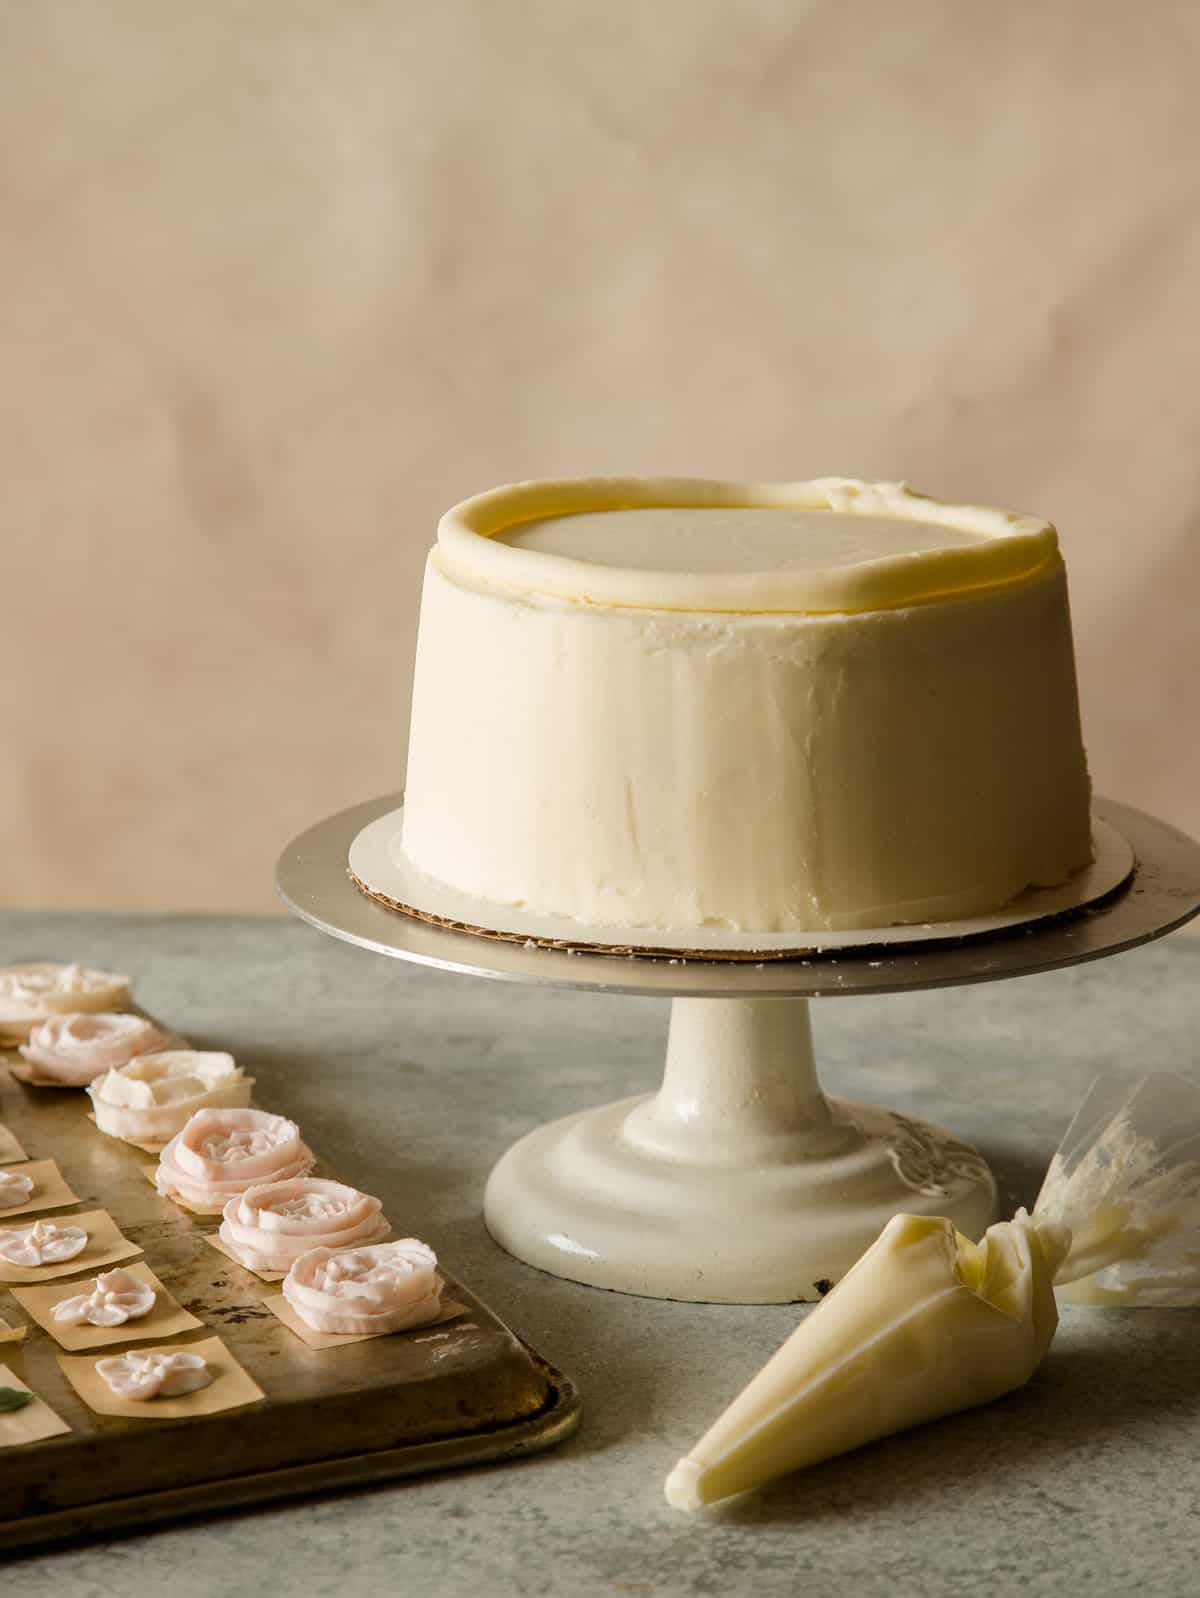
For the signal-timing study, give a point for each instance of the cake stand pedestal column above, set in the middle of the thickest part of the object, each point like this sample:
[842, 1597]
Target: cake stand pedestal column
[738, 1181]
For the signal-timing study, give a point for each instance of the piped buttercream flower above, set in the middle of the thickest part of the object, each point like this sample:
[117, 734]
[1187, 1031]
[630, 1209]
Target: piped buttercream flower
[219, 1154]
[75, 1049]
[32, 993]
[270, 1226]
[153, 1097]
[385, 1287]
[15, 1189]
[146, 1376]
[114, 1298]
[43, 1243]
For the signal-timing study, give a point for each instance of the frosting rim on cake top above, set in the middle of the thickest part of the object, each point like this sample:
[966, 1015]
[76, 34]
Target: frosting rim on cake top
[1001, 547]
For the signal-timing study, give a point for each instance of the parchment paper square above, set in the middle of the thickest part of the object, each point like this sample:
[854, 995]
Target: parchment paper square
[214, 1241]
[284, 1312]
[31, 1424]
[11, 1152]
[50, 1191]
[105, 1246]
[146, 1148]
[231, 1387]
[167, 1319]
[172, 1198]
[34, 1077]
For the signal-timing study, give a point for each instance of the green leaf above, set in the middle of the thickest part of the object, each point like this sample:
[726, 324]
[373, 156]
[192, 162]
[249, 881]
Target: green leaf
[13, 1398]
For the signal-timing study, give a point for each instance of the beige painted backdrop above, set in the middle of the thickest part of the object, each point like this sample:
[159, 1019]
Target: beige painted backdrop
[281, 279]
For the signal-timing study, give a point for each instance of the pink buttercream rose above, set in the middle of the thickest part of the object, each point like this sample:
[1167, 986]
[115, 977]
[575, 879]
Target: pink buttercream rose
[221, 1153]
[30, 993]
[386, 1287]
[73, 1050]
[270, 1226]
[153, 1096]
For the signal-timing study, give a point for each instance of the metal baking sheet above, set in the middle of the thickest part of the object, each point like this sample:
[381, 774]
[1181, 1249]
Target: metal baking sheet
[388, 1407]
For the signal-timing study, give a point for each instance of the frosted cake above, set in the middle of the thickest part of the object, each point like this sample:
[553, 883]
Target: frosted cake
[676, 704]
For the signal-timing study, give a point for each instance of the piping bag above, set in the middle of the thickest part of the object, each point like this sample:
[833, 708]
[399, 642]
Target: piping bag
[927, 1322]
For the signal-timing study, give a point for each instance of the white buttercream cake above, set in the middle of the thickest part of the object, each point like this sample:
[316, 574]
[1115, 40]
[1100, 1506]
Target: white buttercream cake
[677, 703]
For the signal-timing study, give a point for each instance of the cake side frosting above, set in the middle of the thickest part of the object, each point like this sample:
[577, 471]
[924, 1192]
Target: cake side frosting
[767, 770]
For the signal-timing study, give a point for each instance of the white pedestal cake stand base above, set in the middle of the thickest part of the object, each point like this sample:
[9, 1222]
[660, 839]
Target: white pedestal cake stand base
[738, 1181]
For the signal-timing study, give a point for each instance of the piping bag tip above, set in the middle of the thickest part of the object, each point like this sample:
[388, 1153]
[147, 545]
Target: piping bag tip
[683, 1486]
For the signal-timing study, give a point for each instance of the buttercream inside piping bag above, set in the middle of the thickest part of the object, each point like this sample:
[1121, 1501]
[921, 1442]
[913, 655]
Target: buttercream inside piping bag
[927, 1322]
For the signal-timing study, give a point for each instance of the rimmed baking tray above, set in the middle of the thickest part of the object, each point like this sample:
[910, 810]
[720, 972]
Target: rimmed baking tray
[462, 1393]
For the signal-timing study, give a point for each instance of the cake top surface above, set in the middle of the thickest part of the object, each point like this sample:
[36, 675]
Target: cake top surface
[834, 545]
[730, 539]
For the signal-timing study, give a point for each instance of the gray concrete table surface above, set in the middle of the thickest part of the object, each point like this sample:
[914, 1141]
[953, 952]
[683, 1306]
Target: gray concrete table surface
[412, 1082]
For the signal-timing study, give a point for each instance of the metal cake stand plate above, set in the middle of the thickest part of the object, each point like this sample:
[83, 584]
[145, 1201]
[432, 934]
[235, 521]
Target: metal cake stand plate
[739, 1181]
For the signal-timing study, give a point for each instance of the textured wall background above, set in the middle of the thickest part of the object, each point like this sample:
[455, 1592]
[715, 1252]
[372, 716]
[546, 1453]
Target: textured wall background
[281, 279]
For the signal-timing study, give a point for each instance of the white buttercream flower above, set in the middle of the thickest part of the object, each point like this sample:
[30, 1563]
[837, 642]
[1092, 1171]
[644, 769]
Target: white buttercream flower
[32, 993]
[14, 1189]
[145, 1376]
[268, 1227]
[153, 1097]
[114, 1298]
[386, 1287]
[221, 1153]
[74, 1049]
[43, 1243]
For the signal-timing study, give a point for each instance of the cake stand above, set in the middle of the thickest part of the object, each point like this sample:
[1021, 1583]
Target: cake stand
[739, 1181]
